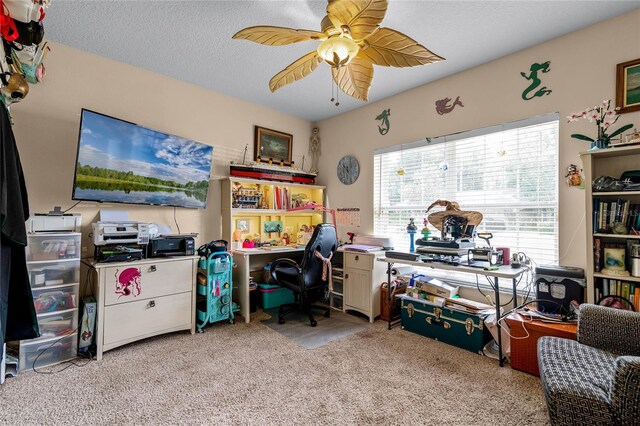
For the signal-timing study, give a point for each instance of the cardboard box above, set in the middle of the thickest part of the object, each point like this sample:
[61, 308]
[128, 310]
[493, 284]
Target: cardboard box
[437, 287]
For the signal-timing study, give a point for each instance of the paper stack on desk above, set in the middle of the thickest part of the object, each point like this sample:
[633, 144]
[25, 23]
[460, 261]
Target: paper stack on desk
[362, 248]
[468, 305]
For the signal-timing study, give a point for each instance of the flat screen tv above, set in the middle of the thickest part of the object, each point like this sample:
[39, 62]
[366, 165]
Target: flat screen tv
[121, 162]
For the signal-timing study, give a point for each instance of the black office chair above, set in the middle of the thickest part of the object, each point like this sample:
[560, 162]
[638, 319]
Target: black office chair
[305, 280]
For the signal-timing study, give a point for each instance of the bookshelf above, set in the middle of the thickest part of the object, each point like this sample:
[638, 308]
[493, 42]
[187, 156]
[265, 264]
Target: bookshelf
[602, 210]
[259, 209]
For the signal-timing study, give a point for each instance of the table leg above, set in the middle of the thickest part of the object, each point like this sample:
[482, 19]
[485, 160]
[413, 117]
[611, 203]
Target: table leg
[497, 293]
[515, 294]
[389, 307]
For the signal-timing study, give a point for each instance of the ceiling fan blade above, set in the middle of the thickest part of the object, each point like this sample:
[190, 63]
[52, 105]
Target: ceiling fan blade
[294, 72]
[355, 78]
[391, 48]
[277, 36]
[362, 16]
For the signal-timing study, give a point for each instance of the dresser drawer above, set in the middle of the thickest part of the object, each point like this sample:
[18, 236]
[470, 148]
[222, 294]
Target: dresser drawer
[130, 321]
[358, 261]
[146, 280]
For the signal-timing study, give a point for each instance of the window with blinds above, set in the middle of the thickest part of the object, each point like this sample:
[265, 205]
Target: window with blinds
[509, 173]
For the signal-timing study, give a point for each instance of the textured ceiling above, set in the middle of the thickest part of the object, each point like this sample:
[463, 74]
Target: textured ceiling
[191, 41]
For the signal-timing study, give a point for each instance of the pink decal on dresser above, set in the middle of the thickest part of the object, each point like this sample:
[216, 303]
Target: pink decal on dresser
[128, 282]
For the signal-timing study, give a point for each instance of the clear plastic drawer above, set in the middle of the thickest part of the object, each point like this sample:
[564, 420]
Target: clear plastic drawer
[58, 324]
[53, 246]
[335, 301]
[53, 273]
[338, 285]
[56, 299]
[41, 353]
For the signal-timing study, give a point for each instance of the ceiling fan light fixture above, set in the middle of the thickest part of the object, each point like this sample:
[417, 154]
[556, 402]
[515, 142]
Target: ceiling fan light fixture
[338, 50]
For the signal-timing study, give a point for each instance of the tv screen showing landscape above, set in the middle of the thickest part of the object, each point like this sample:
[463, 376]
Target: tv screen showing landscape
[121, 162]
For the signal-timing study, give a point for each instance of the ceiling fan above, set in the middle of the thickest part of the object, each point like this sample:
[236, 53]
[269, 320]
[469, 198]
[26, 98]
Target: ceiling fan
[352, 42]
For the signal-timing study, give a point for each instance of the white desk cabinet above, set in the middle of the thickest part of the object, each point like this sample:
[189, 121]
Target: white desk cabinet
[142, 299]
[362, 279]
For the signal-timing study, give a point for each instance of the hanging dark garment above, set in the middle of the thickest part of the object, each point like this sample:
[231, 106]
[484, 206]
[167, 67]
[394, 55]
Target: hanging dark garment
[17, 314]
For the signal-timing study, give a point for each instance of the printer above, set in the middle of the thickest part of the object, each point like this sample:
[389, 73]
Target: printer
[171, 245]
[108, 233]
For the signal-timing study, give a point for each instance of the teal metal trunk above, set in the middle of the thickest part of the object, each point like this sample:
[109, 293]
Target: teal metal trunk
[452, 326]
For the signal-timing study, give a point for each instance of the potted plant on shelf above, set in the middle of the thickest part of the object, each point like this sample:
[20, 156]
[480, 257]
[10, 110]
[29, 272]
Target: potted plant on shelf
[604, 117]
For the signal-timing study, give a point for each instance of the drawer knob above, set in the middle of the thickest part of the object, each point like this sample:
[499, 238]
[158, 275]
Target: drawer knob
[357, 257]
[151, 304]
[346, 276]
[152, 268]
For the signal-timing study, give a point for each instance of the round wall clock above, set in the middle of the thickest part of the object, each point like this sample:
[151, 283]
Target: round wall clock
[348, 169]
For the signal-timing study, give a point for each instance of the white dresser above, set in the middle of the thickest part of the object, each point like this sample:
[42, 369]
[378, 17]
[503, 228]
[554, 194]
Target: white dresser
[144, 298]
[362, 279]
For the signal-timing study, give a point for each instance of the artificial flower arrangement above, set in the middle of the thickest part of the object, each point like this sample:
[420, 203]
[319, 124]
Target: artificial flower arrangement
[605, 117]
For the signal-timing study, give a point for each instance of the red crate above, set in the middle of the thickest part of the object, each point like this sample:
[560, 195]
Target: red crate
[524, 340]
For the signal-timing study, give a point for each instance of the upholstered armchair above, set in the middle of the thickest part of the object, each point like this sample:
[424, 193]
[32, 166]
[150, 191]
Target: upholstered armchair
[596, 379]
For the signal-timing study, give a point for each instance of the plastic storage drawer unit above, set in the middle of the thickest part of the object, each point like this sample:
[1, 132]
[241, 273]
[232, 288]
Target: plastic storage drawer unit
[55, 299]
[40, 353]
[58, 324]
[53, 246]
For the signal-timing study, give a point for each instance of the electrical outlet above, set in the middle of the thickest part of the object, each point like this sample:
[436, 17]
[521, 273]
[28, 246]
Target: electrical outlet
[84, 249]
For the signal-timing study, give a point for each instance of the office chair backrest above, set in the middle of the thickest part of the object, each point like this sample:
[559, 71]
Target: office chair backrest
[325, 240]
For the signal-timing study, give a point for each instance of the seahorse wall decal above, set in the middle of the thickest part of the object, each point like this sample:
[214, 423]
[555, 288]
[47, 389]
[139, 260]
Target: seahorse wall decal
[384, 117]
[443, 107]
[535, 81]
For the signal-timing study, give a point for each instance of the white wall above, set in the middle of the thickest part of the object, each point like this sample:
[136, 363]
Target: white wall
[583, 68]
[47, 122]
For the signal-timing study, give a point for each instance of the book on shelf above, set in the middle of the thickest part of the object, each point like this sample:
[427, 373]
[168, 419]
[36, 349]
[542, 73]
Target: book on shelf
[605, 214]
[299, 200]
[597, 254]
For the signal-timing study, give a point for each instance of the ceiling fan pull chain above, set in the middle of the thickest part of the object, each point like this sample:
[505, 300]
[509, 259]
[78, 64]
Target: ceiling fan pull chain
[332, 97]
[337, 97]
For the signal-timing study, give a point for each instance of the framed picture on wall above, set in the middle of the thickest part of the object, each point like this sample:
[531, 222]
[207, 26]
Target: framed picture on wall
[272, 145]
[628, 86]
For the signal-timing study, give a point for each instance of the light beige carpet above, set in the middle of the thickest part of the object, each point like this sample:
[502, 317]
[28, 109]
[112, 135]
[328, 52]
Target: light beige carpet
[250, 374]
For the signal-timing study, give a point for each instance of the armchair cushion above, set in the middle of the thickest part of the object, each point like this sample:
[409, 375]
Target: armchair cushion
[576, 381]
[613, 330]
[625, 389]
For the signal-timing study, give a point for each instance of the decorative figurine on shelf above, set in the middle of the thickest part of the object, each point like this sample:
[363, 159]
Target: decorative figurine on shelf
[411, 230]
[314, 149]
[425, 229]
[573, 176]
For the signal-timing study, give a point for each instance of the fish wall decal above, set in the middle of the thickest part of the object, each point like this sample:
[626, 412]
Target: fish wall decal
[443, 107]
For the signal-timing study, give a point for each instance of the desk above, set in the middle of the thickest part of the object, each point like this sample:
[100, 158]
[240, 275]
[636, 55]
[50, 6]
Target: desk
[506, 272]
[252, 261]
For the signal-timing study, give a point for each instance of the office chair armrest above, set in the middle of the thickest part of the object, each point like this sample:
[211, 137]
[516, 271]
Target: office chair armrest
[286, 262]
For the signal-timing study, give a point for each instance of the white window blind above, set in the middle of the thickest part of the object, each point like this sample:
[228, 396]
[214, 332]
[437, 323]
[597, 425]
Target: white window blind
[509, 173]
